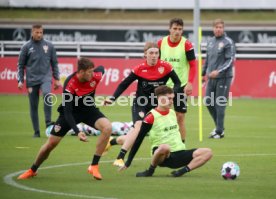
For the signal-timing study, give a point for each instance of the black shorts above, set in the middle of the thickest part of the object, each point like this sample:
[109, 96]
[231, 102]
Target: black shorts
[180, 101]
[177, 159]
[88, 117]
[139, 112]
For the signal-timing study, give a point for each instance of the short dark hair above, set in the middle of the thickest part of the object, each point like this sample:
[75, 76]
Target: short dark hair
[176, 21]
[163, 90]
[84, 64]
[36, 26]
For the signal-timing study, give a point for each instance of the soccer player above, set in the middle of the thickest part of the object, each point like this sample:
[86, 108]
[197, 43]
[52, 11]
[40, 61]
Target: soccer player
[150, 74]
[78, 105]
[179, 52]
[167, 147]
[218, 67]
[38, 57]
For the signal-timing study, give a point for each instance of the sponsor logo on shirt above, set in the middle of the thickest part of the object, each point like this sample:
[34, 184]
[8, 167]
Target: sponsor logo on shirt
[170, 128]
[172, 59]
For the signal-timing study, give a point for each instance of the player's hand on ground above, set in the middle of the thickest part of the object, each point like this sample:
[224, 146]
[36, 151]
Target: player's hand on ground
[82, 137]
[188, 89]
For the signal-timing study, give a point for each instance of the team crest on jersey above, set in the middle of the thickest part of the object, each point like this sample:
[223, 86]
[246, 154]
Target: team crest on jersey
[45, 48]
[220, 45]
[161, 70]
[92, 84]
[141, 114]
[57, 128]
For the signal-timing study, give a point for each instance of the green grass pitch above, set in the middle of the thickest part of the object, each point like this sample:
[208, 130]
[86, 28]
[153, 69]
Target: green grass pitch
[250, 141]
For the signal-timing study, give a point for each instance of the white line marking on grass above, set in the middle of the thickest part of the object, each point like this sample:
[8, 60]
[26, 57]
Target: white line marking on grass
[257, 137]
[8, 179]
[247, 155]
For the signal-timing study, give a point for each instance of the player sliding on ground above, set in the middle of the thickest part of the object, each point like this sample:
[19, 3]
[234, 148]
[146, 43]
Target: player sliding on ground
[80, 86]
[167, 147]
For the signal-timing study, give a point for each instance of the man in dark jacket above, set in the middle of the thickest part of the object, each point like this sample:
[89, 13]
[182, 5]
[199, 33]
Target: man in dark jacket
[38, 58]
[218, 68]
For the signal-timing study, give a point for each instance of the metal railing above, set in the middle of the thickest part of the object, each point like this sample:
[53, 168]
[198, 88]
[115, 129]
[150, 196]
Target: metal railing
[129, 49]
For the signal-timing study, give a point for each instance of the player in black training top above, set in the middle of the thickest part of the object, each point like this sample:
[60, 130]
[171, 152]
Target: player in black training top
[150, 74]
[78, 105]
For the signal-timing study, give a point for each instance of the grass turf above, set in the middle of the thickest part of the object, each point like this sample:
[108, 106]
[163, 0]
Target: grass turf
[250, 141]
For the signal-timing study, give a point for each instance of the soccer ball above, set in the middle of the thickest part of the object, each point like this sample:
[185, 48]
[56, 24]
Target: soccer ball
[230, 170]
[48, 130]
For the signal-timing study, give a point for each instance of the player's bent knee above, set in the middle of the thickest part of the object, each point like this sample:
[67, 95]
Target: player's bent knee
[164, 148]
[208, 153]
[203, 152]
[107, 130]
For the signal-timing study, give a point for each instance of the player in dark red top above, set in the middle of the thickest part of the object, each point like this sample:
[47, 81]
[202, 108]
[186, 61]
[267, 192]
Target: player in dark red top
[78, 105]
[150, 74]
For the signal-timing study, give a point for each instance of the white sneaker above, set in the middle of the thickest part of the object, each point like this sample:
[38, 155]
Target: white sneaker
[217, 136]
[213, 132]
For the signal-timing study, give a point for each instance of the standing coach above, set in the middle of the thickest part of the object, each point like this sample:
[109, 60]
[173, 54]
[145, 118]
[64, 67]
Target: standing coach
[218, 68]
[38, 58]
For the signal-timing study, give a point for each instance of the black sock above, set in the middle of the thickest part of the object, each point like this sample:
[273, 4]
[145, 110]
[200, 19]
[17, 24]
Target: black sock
[152, 169]
[122, 154]
[218, 132]
[34, 168]
[185, 169]
[181, 171]
[113, 142]
[96, 159]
